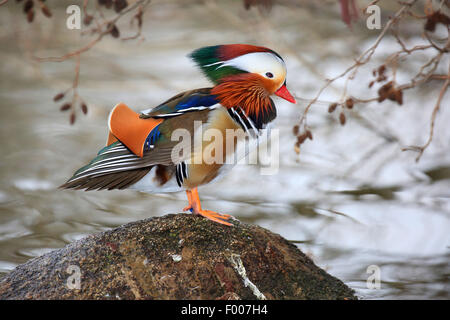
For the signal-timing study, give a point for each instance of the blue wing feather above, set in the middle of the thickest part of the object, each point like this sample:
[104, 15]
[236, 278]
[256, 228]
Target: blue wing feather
[152, 137]
[192, 102]
[186, 102]
[197, 101]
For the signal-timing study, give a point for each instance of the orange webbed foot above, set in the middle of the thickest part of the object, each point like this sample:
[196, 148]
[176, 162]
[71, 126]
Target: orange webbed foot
[195, 207]
[215, 216]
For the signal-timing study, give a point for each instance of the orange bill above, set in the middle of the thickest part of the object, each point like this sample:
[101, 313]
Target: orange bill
[126, 126]
[283, 92]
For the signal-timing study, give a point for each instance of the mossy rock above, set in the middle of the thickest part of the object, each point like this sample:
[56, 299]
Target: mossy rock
[178, 256]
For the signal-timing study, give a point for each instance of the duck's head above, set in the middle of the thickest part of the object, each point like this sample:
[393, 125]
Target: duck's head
[257, 69]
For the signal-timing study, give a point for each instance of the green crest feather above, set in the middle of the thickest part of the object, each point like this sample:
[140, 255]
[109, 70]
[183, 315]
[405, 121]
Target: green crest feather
[209, 61]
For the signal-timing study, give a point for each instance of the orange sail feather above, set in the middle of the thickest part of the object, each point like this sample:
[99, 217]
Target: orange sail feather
[126, 126]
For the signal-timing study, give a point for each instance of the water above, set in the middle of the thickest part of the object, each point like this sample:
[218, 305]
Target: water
[352, 198]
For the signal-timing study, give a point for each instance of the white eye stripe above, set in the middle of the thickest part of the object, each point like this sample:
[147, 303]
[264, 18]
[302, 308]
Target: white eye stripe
[213, 64]
[257, 62]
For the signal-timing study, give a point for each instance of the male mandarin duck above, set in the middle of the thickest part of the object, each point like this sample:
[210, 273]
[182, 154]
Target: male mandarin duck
[140, 152]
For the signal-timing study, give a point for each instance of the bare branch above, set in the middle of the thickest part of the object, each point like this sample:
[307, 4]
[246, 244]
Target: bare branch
[421, 149]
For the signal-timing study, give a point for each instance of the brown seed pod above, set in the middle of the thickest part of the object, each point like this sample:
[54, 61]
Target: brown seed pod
[430, 25]
[399, 96]
[114, 31]
[435, 18]
[381, 78]
[443, 18]
[46, 11]
[396, 96]
[332, 107]
[296, 130]
[138, 17]
[297, 149]
[28, 6]
[65, 106]
[349, 103]
[87, 19]
[30, 15]
[342, 118]
[381, 69]
[84, 108]
[58, 97]
[309, 134]
[301, 138]
[108, 4]
[119, 5]
[73, 117]
[385, 91]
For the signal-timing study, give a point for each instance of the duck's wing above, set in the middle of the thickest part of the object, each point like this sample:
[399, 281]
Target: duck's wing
[138, 142]
[188, 101]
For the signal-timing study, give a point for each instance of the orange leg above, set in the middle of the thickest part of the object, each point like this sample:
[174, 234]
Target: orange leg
[196, 208]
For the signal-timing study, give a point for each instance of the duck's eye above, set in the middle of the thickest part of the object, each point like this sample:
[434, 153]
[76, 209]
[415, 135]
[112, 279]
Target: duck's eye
[269, 75]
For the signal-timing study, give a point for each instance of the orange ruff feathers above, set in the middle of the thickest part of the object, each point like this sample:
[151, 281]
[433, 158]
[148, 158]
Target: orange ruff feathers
[126, 126]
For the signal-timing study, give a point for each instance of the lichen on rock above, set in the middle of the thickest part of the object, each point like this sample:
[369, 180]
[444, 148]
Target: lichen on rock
[178, 256]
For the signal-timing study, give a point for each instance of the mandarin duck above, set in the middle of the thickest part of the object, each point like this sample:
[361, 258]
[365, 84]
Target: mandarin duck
[141, 150]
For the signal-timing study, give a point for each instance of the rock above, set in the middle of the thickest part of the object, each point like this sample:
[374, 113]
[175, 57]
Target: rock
[178, 256]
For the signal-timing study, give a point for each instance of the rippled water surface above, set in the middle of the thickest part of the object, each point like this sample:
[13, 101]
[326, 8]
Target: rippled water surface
[352, 198]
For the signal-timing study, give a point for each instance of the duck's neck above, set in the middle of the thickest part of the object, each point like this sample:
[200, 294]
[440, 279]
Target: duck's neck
[247, 93]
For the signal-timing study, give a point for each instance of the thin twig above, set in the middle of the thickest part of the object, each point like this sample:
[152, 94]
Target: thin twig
[110, 25]
[362, 59]
[421, 149]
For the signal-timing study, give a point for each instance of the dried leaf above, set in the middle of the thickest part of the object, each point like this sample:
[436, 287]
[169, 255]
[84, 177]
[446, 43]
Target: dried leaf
[349, 11]
[296, 129]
